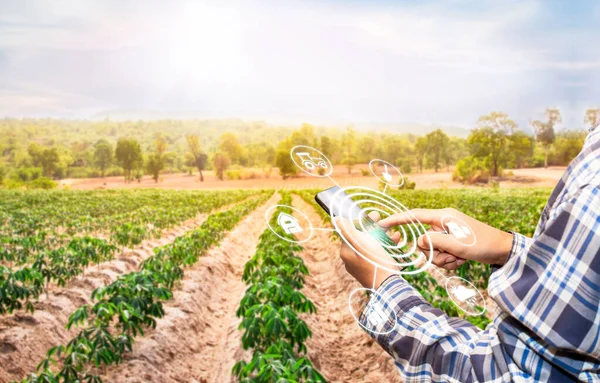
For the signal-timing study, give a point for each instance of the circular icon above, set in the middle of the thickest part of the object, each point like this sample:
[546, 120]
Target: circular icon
[459, 230]
[384, 175]
[355, 203]
[377, 314]
[311, 161]
[465, 296]
[289, 227]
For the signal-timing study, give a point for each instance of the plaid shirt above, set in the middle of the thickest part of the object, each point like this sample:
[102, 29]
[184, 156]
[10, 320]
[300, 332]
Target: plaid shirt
[547, 327]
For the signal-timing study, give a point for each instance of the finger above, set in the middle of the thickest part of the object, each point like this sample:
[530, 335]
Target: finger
[361, 242]
[425, 216]
[440, 258]
[458, 262]
[442, 242]
[375, 216]
[396, 237]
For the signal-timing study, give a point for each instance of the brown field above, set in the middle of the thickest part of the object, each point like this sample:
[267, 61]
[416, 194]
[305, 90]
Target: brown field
[537, 177]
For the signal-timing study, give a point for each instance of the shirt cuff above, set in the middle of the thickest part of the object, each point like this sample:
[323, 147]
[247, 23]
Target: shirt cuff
[394, 298]
[519, 243]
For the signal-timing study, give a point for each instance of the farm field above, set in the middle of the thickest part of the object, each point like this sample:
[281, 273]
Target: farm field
[527, 178]
[152, 285]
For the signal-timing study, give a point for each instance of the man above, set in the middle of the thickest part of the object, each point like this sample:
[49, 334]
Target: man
[547, 288]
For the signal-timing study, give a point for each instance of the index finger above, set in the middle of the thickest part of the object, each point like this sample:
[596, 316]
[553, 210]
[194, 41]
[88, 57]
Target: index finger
[425, 216]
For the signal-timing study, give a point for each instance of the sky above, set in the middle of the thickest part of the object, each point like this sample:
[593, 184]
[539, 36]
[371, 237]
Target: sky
[338, 62]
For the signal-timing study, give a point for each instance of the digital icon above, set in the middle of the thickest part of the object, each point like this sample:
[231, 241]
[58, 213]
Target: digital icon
[459, 232]
[288, 223]
[376, 316]
[464, 294]
[310, 162]
[386, 176]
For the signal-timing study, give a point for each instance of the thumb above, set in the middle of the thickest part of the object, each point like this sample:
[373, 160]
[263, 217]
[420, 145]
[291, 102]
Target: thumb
[442, 242]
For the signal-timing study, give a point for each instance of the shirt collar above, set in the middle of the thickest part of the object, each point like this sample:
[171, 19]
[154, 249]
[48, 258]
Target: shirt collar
[594, 134]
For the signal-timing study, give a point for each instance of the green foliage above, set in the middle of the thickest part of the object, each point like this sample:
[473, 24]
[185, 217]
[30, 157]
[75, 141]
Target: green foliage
[103, 155]
[42, 183]
[286, 166]
[407, 184]
[470, 170]
[437, 148]
[46, 158]
[520, 147]
[490, 141]
[221, 163]
[567, 146]
[155, 163]
[270, 312]
[124, 309]
[47, 233]
[128, 155]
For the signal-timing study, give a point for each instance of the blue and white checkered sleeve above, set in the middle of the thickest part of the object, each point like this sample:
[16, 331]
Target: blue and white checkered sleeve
[428, 345]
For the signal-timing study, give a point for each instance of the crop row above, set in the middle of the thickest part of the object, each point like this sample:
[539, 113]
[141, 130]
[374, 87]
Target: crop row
[61, 264]
[270, 308]
[47, 223]
[124, 309]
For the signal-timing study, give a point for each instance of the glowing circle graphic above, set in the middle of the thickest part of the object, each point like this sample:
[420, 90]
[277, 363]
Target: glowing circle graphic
[384, 175]
[378, 313]
[311, 161]
[296, 228]
[465, 296]
[459, 230]
[355, 203]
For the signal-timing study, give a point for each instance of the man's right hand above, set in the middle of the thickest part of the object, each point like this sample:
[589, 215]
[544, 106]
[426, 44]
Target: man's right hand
[492, 246]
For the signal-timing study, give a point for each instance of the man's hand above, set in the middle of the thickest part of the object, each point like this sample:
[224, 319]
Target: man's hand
[356, 265]
[492, 245]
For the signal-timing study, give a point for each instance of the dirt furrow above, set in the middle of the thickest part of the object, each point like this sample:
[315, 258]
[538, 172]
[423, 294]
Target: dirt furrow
[339, 348]
[198, 339]
[25, 338]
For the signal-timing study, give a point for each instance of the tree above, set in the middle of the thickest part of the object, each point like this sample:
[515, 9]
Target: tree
[156, 161]
[544, 131]
[489, 140]
[46, 158]
[154, 165]
[567, 145]
[220, 163]
[348, 142]
[521, 147]
[229, 145]
[437, 146]
[103, 155]
[592, 117]
[326, 146]
[367, 149]
[420, 151]
[284, 162]
[200, 158]
[128, 155]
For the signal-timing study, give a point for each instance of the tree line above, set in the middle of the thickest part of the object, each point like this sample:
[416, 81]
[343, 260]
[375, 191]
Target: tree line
[495, 143]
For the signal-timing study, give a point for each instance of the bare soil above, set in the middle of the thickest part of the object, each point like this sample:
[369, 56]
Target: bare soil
[339, 348]
[25, 338]
[198, 339]
[538, 177]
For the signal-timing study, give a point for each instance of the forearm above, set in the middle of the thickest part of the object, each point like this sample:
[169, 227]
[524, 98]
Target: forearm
[425, 343]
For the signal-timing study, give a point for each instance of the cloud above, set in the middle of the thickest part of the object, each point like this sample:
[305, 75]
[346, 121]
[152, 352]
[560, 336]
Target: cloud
[443, 62]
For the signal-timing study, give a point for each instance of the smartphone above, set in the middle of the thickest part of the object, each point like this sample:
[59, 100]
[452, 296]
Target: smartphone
[339, 204]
